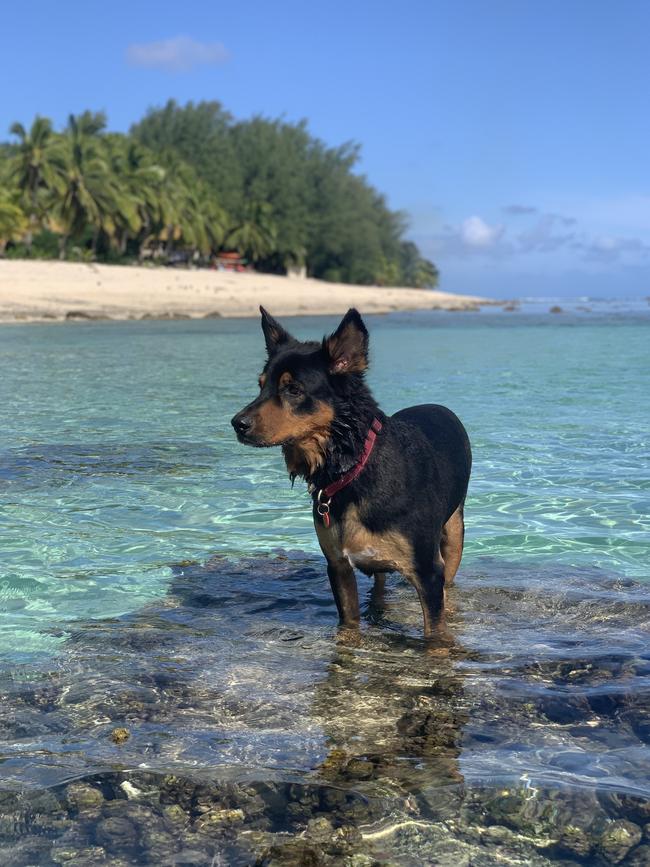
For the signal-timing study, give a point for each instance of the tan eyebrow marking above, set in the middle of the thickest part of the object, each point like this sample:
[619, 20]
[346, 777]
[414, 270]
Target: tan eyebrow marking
[261, 380]
[285, 379]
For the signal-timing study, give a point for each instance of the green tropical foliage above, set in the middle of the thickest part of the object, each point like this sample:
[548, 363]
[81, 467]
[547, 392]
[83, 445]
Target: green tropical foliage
[13, 221]
[33, 170]
[191, 181]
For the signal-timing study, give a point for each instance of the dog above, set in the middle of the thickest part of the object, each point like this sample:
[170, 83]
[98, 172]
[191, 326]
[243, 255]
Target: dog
[388, 492]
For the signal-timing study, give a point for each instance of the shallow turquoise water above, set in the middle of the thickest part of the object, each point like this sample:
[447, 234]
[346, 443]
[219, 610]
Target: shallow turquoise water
[145, 583]
[117, 457]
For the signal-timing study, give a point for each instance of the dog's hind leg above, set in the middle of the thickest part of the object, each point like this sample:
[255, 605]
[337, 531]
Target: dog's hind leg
[377, 598]
[451, 544]
[378, 587]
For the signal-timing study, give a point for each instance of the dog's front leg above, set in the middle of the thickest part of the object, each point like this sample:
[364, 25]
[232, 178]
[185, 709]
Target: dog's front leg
[340, 572]
[344, 587]
[430, 586]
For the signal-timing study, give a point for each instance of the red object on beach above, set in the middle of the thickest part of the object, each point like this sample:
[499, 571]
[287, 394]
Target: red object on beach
[231, 260]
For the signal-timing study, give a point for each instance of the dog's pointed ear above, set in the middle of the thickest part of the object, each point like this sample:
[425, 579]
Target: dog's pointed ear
[347, 347]
[274, 333]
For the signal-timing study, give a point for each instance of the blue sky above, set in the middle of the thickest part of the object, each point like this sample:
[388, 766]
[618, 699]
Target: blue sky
[516, 135]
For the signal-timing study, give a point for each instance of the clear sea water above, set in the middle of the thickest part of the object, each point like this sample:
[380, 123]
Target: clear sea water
[158, 576]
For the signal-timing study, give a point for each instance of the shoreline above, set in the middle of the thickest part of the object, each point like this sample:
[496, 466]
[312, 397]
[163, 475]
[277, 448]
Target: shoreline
[47, 291]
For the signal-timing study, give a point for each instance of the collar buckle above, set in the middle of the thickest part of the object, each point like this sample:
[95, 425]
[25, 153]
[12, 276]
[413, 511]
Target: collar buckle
[323, 507]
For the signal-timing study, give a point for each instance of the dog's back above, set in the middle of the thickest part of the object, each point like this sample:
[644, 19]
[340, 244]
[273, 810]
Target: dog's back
[448, 448]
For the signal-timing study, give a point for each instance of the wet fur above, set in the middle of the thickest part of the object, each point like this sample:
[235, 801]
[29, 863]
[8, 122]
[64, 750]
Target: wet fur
[405, 511]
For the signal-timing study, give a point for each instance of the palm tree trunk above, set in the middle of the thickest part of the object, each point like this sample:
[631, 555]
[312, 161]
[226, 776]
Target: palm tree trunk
[33, 221]
[63, 242]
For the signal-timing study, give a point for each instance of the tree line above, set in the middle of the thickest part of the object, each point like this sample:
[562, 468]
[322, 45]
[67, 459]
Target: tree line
[190, 182]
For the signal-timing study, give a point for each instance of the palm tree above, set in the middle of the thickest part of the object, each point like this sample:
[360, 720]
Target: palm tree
[136, 176]
[33, 169]
[201, 222]
[89, 195]
[182, 212]
[13, 222]
[255, 234]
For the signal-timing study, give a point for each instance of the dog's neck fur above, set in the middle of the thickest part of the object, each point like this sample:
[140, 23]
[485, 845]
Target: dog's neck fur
[327, 455]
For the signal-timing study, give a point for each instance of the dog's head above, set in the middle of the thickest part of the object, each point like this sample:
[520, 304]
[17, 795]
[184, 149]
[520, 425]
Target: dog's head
[299, 388]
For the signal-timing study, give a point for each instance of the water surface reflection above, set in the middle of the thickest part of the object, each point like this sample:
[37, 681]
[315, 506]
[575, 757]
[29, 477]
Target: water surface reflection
[232, 720]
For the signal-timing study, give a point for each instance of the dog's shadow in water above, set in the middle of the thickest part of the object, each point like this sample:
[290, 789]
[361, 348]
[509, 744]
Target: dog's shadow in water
[390, 703]
[394, 706]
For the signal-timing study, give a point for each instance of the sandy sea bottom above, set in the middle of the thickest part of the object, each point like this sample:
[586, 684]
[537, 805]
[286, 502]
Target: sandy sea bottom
[174, 689]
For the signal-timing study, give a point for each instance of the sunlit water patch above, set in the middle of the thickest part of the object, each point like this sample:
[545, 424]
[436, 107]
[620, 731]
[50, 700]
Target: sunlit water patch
[174, 690]
[233, 719]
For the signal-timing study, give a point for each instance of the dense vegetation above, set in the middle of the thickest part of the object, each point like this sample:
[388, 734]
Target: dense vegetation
[189, 182]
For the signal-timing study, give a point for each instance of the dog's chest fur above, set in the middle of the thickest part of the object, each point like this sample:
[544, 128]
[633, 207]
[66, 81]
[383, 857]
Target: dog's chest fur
[349, 539]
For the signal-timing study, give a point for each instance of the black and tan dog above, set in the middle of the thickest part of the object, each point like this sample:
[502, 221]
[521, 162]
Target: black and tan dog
[388, 492]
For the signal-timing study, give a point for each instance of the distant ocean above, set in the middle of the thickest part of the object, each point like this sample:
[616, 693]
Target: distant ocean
[585, 305]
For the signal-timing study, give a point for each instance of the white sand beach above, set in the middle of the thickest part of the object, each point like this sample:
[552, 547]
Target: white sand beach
[32, 291]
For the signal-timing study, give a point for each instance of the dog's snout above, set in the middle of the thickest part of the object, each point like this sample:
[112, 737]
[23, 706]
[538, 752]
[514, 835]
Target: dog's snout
[242, 424]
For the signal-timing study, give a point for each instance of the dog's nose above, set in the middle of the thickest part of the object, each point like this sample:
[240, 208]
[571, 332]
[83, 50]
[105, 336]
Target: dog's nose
[242, 424]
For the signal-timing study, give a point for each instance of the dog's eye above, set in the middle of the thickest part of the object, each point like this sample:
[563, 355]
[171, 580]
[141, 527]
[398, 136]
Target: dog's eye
[293, 388]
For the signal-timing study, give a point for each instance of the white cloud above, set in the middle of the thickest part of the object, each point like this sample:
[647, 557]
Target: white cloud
[473, 237]
[180, 54]
[545, 238]
[475, 232]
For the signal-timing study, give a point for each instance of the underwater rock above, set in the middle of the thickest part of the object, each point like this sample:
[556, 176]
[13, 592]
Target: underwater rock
[188, 857]
[13, 824]
[31, 813]
[498, 834]
[624, 806]
[575, 841]
[640, 857]
[333, 799]
[207, 798]
[319, 830]
[216, 821]
[176, 790]
[116, 833]
[345, 840]
[293, 853]
[30, 850]
[440, 802]
[120, 735]
[83, 798]
[617, 838]
[359, 769]
[564, 709]
[85, 856]
[319, 844]
[158, 843]
[175, 817]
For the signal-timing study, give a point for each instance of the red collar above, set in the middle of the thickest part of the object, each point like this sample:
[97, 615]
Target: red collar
[325, 495]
